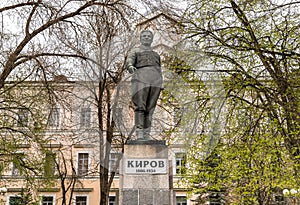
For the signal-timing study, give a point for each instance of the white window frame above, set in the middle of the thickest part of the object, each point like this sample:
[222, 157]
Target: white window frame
[175, 162]
[56, 161]
[182, 195]
[83, 121]
[21, 117]
[80, 195]
[58, 120]
[111, 195]
[176, 114]
[11, 168]
[89, 161]
[48, 195]
[115, 160]
[5, 119]
[8, 197]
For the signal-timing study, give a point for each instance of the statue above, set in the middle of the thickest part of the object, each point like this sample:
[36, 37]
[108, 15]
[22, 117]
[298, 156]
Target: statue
[145, 66]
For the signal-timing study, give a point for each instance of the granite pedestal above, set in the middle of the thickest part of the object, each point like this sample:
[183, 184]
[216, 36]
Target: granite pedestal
[144, 178]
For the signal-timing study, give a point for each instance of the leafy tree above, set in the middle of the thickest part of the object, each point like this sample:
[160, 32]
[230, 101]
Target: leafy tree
[24, 119]
[185, 108]
[254, 47]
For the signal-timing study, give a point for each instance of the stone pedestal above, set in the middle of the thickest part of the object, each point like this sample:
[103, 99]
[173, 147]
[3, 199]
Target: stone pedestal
[144, 178]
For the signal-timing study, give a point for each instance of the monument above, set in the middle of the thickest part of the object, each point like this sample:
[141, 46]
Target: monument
[145, 175]
[145, 66]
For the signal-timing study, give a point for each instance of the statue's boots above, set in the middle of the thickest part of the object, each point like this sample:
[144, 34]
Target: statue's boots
[139, 123]
[139, 134]
[146, 133]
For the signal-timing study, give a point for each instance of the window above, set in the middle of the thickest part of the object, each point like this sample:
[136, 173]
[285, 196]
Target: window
[181, 200]
[177, 115]
[279, 199]
[2, 166]
[47, 200]
[113, 159]
[180, 163]
[23, 118]
[17, 161]
[85, 117]
[49, 166]
[83, 163]
[5, 119]
[15, 169]
[118, 116]
[215, 198]
[17, 200]
[81, 200]
[111, 200]
[53, 120]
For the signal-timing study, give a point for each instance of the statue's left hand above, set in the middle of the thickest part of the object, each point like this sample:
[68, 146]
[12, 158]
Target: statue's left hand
[131, 69]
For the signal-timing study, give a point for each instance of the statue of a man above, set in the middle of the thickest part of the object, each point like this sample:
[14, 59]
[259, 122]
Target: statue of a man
[146, 83]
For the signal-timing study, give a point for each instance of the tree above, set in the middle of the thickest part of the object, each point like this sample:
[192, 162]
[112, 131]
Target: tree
[69, 37]
[49, 40]
[43, 23]
[109, 40]
[254, 47]
[22, 124]
[106, 45]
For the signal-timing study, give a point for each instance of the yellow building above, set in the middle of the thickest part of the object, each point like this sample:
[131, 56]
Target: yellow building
[64, 163]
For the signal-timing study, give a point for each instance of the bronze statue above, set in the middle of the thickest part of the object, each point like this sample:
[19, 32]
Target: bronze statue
[146, 83]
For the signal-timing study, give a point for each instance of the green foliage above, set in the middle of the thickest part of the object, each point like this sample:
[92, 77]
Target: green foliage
[184, 93]
[2, 165]
[49, 164]
[24, 198]
[254, 44]
[23, 119]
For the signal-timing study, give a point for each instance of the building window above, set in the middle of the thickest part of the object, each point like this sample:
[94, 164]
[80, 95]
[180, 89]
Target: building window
[177, 115]
[81, 200]
[49, 166]
[279, 199]
[118, 117]
[215, 198]
[17, 161]
[47, 200]
[85, 117]
[5, 120]
[111, 200]
[83, 163]
[181, 200]
[23, 118]
[113, 162]
[53, 120]
[16, 200]
[180, 163]
[15, 169]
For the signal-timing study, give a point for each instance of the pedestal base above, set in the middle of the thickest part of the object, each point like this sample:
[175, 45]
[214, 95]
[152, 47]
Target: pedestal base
[144, 178]
[146, 197]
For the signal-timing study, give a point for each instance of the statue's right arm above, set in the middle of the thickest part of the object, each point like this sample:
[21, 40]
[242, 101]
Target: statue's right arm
[130, 61]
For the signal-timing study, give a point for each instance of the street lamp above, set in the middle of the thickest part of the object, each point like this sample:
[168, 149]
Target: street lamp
[3, 190]
[291, 194]
[286, 192]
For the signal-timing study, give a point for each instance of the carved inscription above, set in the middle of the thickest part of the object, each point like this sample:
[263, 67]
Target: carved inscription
[146, 166]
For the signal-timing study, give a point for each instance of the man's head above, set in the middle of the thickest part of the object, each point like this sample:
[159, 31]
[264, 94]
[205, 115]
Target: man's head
[146, 37]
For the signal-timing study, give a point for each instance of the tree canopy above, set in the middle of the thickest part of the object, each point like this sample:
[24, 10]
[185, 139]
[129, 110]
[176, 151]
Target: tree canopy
[254, 46]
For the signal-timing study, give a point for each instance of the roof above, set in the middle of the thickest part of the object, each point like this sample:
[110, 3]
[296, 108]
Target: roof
[156, 15]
